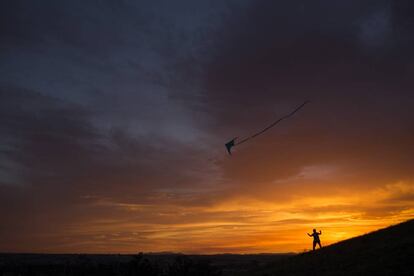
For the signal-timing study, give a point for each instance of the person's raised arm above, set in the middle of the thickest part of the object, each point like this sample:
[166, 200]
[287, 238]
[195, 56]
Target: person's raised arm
[309, 235]
[320, 232]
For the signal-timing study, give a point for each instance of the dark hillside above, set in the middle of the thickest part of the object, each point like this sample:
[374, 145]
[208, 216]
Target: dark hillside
[388, 251]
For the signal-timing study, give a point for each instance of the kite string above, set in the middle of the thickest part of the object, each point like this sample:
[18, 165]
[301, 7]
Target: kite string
[273, 124]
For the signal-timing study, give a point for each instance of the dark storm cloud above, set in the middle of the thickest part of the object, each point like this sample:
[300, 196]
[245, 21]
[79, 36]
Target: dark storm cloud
[110, 61]
[121, 58]
[55, 142]
[39, 130]
[275, 55]
[275, 48]
[94, 28]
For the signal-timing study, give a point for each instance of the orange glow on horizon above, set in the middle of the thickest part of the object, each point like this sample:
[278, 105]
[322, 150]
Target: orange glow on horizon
[238, 225]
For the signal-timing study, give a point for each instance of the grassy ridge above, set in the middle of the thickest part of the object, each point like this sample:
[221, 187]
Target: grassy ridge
[388, 251]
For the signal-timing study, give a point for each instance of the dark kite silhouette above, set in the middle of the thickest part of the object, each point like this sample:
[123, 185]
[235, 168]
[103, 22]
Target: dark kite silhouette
[232, 143]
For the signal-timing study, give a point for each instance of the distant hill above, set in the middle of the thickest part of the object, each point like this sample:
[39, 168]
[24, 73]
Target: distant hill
[388, 251]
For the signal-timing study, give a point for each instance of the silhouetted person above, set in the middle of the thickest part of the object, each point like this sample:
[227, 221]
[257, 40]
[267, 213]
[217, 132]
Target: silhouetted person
[316, 239]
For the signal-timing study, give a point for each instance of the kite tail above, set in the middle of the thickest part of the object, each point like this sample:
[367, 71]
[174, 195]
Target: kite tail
[273, 124]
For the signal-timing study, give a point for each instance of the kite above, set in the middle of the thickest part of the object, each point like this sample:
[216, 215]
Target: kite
[232, 143]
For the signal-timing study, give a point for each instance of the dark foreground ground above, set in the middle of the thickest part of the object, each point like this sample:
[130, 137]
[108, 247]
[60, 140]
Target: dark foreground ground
[140, 264]
[388, 251]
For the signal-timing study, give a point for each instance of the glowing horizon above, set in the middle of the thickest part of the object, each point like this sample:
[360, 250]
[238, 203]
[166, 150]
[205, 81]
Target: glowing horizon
[241, 225]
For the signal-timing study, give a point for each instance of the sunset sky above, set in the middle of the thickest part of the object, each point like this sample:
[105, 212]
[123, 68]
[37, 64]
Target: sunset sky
[114, 115]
